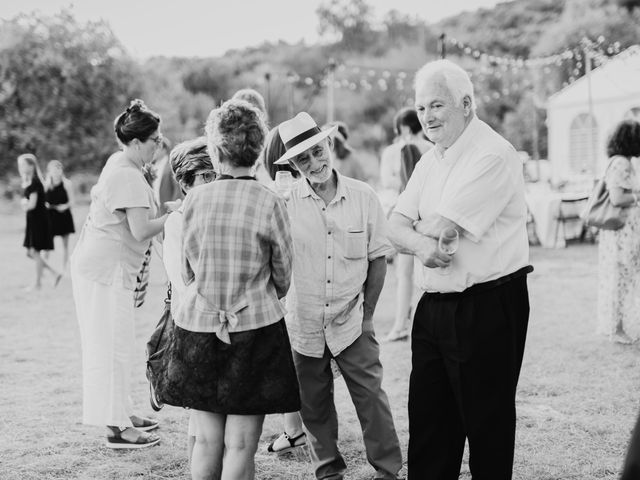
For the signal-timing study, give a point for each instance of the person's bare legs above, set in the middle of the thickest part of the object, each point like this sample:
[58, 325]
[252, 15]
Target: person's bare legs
[292, 424]
[42, 265]
[241, 435]
[191, 436]
[404, 295]
[208, 448]
[40, 262]
[65, 251]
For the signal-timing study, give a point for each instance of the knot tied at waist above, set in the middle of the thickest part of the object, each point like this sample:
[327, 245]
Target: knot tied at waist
[226, 319]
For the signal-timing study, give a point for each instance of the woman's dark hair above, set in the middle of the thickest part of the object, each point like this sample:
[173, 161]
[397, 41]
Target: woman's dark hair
[236, 132]
[189, 157]
[625, 140]
[273, 150]
[409, 117]
[340, 146]
[137, 121]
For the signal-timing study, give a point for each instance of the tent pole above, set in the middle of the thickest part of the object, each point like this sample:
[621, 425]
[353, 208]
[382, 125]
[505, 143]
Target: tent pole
[592, 139]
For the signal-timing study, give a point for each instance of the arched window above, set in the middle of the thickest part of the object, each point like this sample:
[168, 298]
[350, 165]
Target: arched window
[633, 114]
[583, 136]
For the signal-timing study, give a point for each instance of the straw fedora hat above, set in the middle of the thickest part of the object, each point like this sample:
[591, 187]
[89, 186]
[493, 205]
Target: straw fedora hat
[299, 134]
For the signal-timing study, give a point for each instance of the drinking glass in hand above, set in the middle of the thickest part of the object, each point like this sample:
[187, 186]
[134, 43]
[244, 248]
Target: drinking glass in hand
[448, 243]
[284, 184]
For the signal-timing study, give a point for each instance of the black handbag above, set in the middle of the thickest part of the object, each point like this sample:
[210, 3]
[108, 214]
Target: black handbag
[157, 348]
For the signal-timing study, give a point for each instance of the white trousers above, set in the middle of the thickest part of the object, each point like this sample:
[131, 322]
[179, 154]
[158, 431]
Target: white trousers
[105, 316]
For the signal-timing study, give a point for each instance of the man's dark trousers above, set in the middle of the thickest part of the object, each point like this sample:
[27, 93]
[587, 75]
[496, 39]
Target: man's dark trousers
[467, 352]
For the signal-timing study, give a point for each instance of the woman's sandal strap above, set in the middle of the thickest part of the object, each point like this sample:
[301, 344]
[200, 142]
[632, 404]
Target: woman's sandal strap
[292, 440]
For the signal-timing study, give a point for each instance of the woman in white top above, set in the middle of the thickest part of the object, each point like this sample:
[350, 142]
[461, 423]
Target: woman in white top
[121, 222]
[191, 166]
[409, 132]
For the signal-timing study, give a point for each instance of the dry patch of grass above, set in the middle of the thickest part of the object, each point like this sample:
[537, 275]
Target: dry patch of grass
[577, 400]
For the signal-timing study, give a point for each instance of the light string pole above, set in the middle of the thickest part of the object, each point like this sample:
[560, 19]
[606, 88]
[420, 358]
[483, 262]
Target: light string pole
[292, 78]
[442, 47]
[331, 69]
[587, 72]
[267, 81]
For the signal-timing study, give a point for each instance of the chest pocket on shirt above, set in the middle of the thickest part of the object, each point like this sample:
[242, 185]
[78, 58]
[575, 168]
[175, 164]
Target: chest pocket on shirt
[356, 244]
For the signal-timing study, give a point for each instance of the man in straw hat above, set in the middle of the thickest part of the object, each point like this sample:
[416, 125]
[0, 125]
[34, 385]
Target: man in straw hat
[470, 325]
[339, 235]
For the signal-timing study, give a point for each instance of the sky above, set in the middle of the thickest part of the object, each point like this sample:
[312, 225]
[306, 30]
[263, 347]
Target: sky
[210, 28]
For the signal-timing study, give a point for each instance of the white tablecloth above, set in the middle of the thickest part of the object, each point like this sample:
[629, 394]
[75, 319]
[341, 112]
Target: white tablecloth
[544, 207]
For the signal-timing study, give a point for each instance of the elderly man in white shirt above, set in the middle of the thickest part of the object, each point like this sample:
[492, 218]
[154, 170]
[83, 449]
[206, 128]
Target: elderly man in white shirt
[340, 244]
[470, 325]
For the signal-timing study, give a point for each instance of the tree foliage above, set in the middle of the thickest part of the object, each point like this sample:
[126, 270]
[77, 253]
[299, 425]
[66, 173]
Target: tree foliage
[62, 81]
[630, 5]
[349, 20]
[510, 28]
[61, 84]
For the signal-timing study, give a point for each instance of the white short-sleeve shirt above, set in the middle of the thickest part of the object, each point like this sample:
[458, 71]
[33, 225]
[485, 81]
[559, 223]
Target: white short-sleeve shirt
[477, 183]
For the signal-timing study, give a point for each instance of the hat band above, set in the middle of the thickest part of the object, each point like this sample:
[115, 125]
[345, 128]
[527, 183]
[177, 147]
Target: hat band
[302, 137]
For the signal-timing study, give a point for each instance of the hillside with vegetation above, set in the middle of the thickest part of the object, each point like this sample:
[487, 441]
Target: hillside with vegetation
[63, 81]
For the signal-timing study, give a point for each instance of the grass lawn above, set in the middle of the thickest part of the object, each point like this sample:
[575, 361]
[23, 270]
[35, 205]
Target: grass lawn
[577, 399]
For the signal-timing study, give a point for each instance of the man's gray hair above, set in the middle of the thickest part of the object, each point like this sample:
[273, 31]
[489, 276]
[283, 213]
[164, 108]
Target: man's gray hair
[453, 77]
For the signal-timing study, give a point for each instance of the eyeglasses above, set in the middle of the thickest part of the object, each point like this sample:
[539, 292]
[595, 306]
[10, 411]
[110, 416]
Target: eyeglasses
[157, 140]
[207, 175]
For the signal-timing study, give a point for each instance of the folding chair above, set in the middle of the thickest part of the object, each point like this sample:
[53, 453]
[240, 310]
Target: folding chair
[569, 211]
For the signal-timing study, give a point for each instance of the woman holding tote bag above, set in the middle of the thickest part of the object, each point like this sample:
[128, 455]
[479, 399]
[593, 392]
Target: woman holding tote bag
[619, 250]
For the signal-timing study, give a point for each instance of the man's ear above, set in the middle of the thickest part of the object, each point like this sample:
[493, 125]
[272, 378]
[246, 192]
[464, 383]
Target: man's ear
[466, 104]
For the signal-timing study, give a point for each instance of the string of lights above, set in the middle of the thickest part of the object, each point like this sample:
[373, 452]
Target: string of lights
[354, 77]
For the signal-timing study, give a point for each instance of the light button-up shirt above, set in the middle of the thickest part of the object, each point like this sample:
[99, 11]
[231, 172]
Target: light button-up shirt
[333, 245]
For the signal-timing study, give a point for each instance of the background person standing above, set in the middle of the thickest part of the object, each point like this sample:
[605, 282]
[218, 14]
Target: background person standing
[37, 234]
[59, 195]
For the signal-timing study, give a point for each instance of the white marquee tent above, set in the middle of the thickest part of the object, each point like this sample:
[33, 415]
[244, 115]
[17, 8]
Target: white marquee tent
[577, 139]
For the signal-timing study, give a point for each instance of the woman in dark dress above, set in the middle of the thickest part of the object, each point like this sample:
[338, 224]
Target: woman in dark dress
[58, 197]
[37, 237]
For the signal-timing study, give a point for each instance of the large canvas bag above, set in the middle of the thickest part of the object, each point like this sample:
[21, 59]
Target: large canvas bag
[157, 348]
[600, 212]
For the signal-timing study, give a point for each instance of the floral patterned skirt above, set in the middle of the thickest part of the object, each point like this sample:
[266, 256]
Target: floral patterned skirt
[253, 375]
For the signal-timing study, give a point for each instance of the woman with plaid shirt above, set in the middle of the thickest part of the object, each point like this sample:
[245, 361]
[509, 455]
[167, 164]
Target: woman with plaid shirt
[232, 361]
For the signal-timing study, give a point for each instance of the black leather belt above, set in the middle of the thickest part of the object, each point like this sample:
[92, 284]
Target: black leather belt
[484, 286]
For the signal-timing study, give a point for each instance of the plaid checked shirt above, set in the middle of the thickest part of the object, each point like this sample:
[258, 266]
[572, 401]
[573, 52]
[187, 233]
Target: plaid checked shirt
[237, 257]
